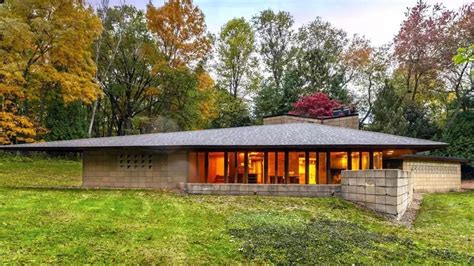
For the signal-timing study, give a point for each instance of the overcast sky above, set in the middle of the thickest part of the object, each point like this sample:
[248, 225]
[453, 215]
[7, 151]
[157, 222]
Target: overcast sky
[378, 20]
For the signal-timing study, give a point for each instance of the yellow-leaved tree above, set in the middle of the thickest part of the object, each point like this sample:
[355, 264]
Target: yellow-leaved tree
[180, 31]
[44, 45]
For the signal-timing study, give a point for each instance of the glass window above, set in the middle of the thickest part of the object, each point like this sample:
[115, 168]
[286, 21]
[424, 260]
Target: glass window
[296, 169]
[338, 163]
[355, 160]
[378, 160]
[312, 168]
[365, 160]
[255, 168]
[216, 167]
[322, 173]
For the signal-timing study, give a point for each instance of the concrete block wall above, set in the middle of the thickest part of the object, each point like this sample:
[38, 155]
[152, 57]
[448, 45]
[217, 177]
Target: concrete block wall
[434, 176]
[387, 191]
[264, 189]
[133, 169]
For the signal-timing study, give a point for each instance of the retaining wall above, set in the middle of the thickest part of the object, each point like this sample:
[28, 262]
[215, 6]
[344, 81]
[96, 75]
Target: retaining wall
[387, 191]
[264, 189]
[434, 176]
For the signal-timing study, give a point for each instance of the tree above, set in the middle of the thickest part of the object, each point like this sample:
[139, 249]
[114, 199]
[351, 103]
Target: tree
[130, 81]
[316, 105]
[45, 46]
[235, 49]
[180, 31]
[231, 111]
[388, 112]
[459, 136]
[276, 39]
[420, 47]
[65, 121]
[319, 65]
[368, 69]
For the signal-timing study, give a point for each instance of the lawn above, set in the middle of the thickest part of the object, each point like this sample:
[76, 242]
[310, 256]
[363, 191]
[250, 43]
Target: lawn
[44, 225]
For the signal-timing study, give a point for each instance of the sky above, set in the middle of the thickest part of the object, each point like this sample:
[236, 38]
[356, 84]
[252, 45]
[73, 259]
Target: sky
[377, 20]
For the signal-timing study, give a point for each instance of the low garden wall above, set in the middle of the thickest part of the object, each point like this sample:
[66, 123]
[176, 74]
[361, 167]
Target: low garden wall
[264, 189]
[387, 191]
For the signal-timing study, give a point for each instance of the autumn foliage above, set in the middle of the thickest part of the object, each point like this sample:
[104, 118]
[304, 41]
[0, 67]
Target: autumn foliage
[45, 48]
[316, 105]
[180, 30]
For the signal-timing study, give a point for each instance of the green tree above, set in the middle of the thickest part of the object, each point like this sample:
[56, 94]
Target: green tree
[235, 50]
[276, 39]
[319, 63]
[460, 138]
[231, 111]
[65, 122]
[388, 112]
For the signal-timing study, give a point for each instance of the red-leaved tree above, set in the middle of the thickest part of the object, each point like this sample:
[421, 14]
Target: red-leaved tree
[316, 105]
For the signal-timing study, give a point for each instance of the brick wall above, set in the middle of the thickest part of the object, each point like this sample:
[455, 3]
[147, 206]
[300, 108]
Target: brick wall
[133, 169]
[386, 191]
[264, 189]
[434, 176]
[344, 121]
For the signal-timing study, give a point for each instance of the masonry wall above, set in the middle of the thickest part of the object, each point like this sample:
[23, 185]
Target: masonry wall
[351, 121]
[264, 189]
[387, 191]
[133, 169]
[434, 176]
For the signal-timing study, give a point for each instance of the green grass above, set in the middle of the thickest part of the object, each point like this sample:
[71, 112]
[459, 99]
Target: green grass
[42, 225]
[21, 171]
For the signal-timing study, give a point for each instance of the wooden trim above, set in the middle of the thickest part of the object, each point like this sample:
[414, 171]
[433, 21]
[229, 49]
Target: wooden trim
[349, 160]
[306, 167]
[206, 167]
[371, 160]
[276, 168]
[236, 167]
[316, 170]
[328, 168]
[246, 167]
[360, 160]
[265, 167]
[196, 175]
[287, 166]
[226, 167]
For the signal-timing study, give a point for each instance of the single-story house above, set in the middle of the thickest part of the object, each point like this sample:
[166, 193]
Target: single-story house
[287, 155]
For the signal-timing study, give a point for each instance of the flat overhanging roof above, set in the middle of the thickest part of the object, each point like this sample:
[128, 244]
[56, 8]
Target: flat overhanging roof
[278, 136]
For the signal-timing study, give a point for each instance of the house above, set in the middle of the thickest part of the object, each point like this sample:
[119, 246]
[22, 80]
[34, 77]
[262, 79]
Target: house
[287, 155]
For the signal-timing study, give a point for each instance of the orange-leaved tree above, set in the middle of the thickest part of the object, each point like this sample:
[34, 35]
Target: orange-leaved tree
[45, 47]
[180, 30]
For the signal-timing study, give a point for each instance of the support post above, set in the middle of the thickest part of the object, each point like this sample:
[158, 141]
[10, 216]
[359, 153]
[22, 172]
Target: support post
[306, 167]
[360, 160]
[236, 167]
[226, 167]
[316, 166]
[246, 167]
[287, 166]
[328, 168]
[206, 167]
[371, 160]
[265, 168]
[275, 180]
[197, 168]
[349, 160]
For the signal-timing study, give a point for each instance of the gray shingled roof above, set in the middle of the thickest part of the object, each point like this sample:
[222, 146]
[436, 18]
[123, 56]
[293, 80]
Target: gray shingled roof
[295, 135]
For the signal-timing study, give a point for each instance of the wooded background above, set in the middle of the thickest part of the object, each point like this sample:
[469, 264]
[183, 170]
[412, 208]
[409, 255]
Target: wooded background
[71, 71]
